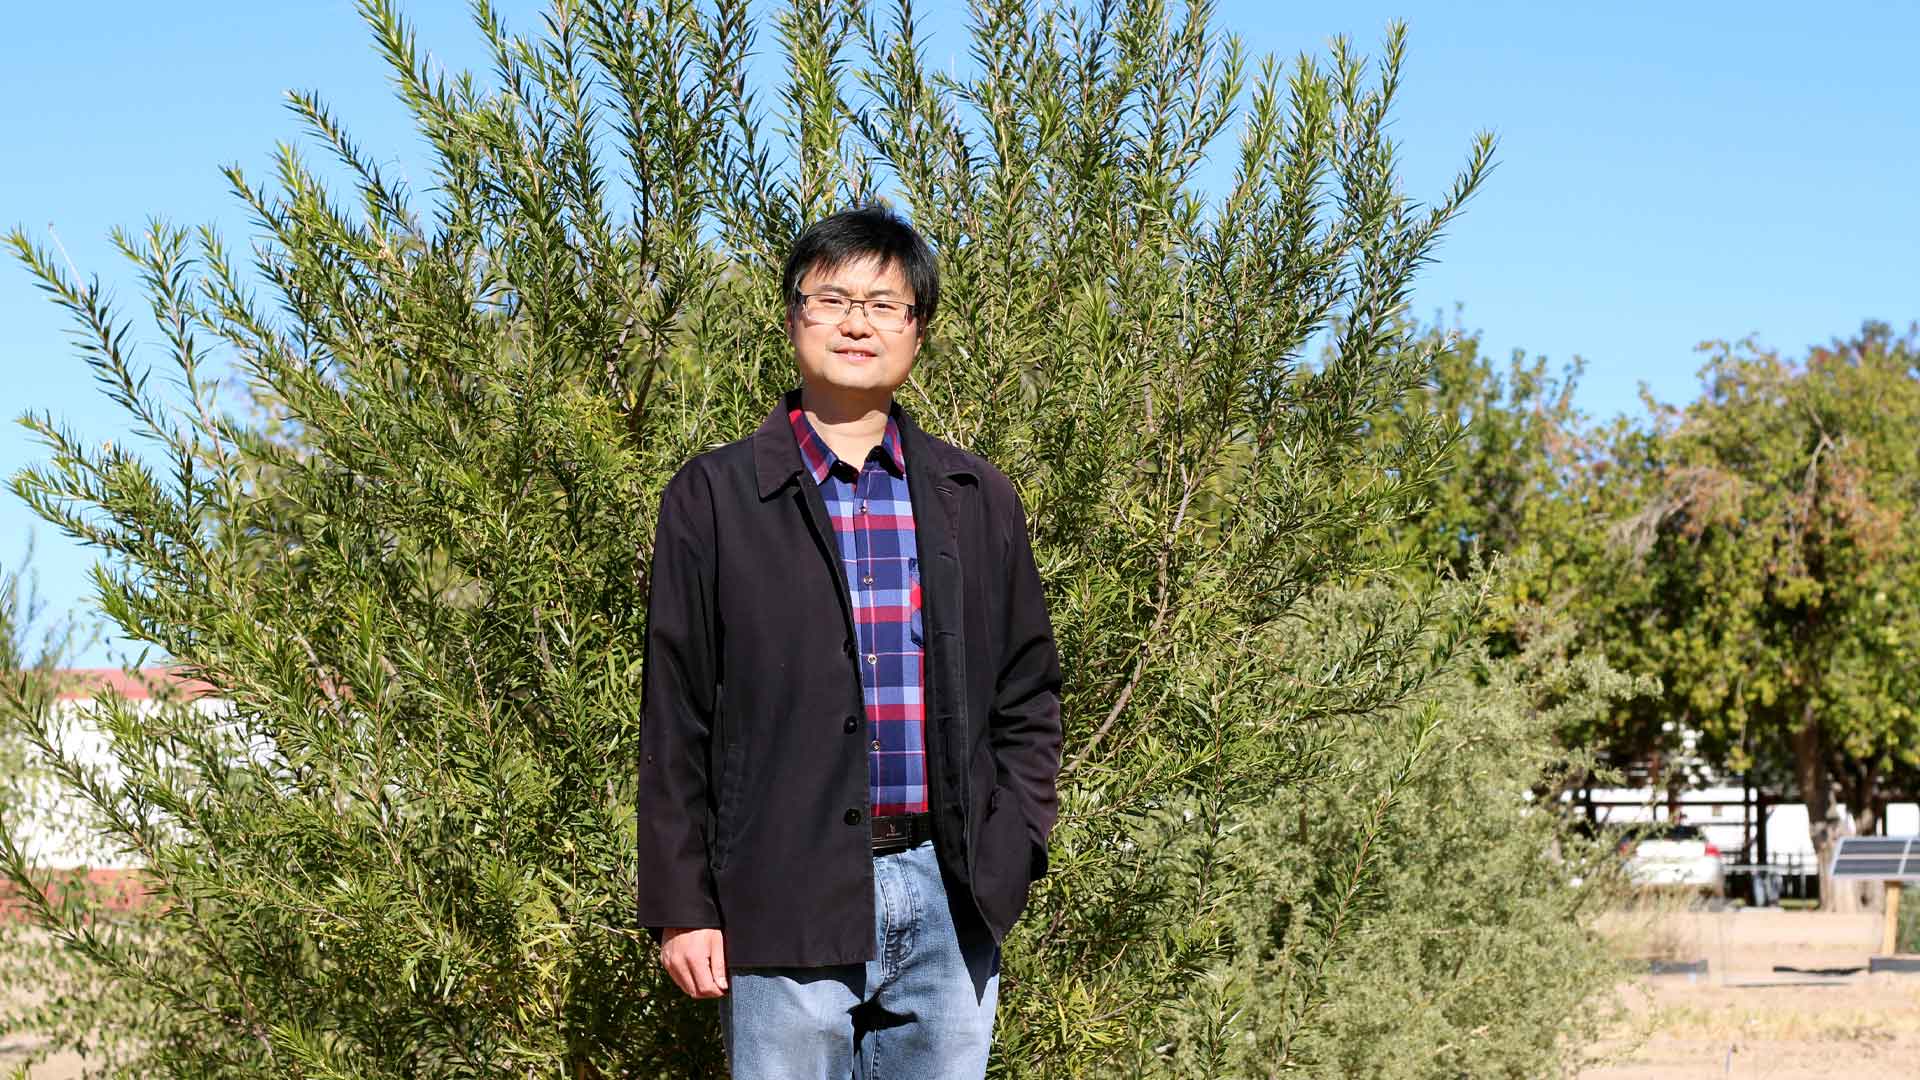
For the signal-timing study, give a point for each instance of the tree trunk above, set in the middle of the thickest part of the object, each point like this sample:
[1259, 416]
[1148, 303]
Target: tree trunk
[1816, 792]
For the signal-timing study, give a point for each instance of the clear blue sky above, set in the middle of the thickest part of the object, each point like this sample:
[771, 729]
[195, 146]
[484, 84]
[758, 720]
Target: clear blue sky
[1668, 172]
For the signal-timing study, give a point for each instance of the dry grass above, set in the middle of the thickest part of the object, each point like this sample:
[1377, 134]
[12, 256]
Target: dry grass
[1893, 1013]
[1659, 925]
[1744, 1019]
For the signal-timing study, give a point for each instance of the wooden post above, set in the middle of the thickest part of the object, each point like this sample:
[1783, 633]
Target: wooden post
[1890, 928]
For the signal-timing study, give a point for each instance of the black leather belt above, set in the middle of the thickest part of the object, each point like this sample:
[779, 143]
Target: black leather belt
[898, 832]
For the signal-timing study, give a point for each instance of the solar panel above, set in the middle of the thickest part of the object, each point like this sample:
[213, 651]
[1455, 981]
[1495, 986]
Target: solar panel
[1880, 858]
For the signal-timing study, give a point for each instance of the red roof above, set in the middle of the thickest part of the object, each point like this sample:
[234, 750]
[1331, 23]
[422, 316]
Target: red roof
[80, 684]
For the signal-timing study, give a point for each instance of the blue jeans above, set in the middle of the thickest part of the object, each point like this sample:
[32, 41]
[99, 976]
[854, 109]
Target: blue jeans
[922, 1009]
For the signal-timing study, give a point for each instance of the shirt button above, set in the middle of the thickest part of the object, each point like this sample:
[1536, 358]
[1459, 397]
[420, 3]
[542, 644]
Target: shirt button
[852, 725]
[868, 580]
[873, 658]
[876, 744]
[863, 507]
[852, 817]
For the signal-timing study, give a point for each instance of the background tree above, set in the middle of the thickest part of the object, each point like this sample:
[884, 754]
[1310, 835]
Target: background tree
[407, 848]
[1512, 472]
[1528, 485]
[1780, 543]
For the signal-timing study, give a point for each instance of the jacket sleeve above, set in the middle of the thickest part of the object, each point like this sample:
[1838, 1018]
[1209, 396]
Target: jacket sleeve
[676, 722]
[1024, 723]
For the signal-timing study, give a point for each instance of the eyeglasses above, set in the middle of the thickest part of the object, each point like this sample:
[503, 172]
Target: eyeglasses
[833, 309]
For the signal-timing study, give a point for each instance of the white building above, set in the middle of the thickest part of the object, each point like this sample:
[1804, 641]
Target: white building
[1735, 819]
[52, 829]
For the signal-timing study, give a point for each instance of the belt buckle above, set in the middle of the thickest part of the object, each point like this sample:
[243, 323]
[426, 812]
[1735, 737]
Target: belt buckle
[892, 834]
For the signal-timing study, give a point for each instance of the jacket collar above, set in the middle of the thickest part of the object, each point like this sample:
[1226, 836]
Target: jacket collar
[776, 455]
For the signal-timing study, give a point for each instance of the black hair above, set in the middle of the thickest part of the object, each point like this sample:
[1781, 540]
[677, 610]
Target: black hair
[868, 232]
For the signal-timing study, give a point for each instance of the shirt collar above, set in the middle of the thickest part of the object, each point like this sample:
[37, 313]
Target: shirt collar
[820, 459]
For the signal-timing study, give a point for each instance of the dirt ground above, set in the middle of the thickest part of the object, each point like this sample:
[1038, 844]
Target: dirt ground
[1741, 1019]
[1744, 1019]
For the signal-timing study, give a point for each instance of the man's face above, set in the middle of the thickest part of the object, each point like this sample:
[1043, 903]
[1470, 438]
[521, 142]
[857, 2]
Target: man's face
[853, 354]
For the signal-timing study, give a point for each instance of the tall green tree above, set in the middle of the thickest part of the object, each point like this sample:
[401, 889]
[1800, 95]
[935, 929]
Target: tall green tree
[1779, 538]
[1514, 465]
[1528, 486]
[406, 849]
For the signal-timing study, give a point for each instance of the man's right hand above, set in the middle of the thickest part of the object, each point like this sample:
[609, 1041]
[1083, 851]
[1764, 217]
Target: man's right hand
[697, 960]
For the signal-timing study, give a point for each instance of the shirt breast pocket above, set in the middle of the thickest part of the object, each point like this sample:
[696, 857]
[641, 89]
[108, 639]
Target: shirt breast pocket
[916, 624]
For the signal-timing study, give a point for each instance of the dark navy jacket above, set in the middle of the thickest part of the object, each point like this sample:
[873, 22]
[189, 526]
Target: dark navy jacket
[753, 764]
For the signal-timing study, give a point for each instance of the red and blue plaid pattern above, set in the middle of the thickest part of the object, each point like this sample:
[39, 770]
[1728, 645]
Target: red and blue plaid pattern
[873, 521]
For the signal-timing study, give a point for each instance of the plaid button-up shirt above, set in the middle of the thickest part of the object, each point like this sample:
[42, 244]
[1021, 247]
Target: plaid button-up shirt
[873, 521]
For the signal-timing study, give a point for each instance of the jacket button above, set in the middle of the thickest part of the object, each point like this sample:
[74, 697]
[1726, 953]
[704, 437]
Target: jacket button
[852, 725]
[853, 817]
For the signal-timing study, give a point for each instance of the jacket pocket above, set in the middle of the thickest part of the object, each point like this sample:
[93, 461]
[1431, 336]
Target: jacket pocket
[1006, 861]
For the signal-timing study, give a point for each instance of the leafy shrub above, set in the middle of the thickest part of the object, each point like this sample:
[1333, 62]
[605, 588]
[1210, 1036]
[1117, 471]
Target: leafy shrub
[406, 846]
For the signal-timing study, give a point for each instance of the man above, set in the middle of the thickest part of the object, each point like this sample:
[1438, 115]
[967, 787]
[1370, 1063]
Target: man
[851, 726]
